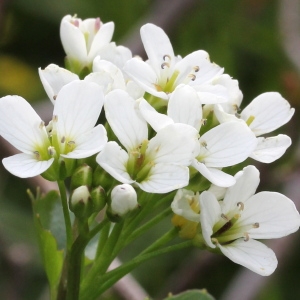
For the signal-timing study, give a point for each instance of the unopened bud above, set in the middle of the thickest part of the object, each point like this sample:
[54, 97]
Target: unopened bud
[101, 177]
[98, 196]
[81, 203]
[123, 200]
[83, 175]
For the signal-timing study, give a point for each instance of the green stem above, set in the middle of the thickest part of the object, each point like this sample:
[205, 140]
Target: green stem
[103, 261]
[167, 237]
[102, 283]
[136, 233]
[103, 238]
[75, 264]
[64, 201]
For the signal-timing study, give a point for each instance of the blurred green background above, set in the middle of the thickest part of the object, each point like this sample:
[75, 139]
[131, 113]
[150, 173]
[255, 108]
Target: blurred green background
[244, 37]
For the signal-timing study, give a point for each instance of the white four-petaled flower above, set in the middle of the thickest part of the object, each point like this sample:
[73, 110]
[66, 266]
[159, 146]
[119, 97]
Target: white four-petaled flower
[71, 135]
[232, 225]
[83, 40]
[164, 71]
[158, 165]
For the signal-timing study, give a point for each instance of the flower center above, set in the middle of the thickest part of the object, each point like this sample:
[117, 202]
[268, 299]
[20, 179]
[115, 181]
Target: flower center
[228, 230]
[169, 77]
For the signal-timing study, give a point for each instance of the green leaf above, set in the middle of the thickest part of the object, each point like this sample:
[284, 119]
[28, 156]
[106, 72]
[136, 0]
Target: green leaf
[191, 295]
[48, 220]
[49, 210]
[51, 256]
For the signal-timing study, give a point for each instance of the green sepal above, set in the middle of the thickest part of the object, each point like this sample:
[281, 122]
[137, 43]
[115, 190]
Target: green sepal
[83, 175]
[197, 182]
[113, 217]
[99, 198]
[192, 295]
[102, 178]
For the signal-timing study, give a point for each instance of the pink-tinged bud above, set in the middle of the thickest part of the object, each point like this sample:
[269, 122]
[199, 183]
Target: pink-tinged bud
[97, 24]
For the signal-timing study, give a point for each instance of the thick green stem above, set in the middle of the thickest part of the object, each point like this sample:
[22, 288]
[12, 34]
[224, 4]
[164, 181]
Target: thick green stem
[74, 270]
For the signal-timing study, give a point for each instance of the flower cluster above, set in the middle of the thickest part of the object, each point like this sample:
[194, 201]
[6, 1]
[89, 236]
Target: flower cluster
[167, 123]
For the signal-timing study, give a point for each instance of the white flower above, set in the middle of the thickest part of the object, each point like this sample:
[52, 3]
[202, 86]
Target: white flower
[164, 71]
[54, 78]
[83, 40]
[107, 75]
[118, 55]
[183, 204]
[72, 131]
[232, 224]
[158, 165]
[184, 106]
[222, 146]
[266, 113]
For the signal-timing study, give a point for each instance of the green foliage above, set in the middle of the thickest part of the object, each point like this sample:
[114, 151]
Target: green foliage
[191, 295]
[45, 216]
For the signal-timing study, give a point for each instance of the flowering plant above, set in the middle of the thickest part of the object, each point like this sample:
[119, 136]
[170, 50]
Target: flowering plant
[130, 137]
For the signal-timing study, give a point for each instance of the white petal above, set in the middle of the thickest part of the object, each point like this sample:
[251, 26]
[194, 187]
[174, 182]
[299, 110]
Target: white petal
[207, 72]
[173, 144]
[271, 148]
[276, 214]
[134, 90]
[125, 119]
[78, 106]
[113, 159]
[218, 191]
[252, 254]
[186, 66]
[156, 120]
[165, 178]
[21, 126]
[103, 79]
[215, 176]
[235, 95]
[54, 78]
[156, 44]
[89, 143]
[246, 184]
[101, 38]
[118, 55]
[181, 205]
[212, 94]
[210, 213]
[73, 40]
[114, 72]
[144, 76]
[226, 145]
[185, 106]
[270, 111]
[25, 165]
[223, 116]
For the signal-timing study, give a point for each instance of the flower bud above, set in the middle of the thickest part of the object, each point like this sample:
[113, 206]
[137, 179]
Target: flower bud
[81, 203]
[102, 178]
[99, 198]
[123, 200]
[83, 175]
